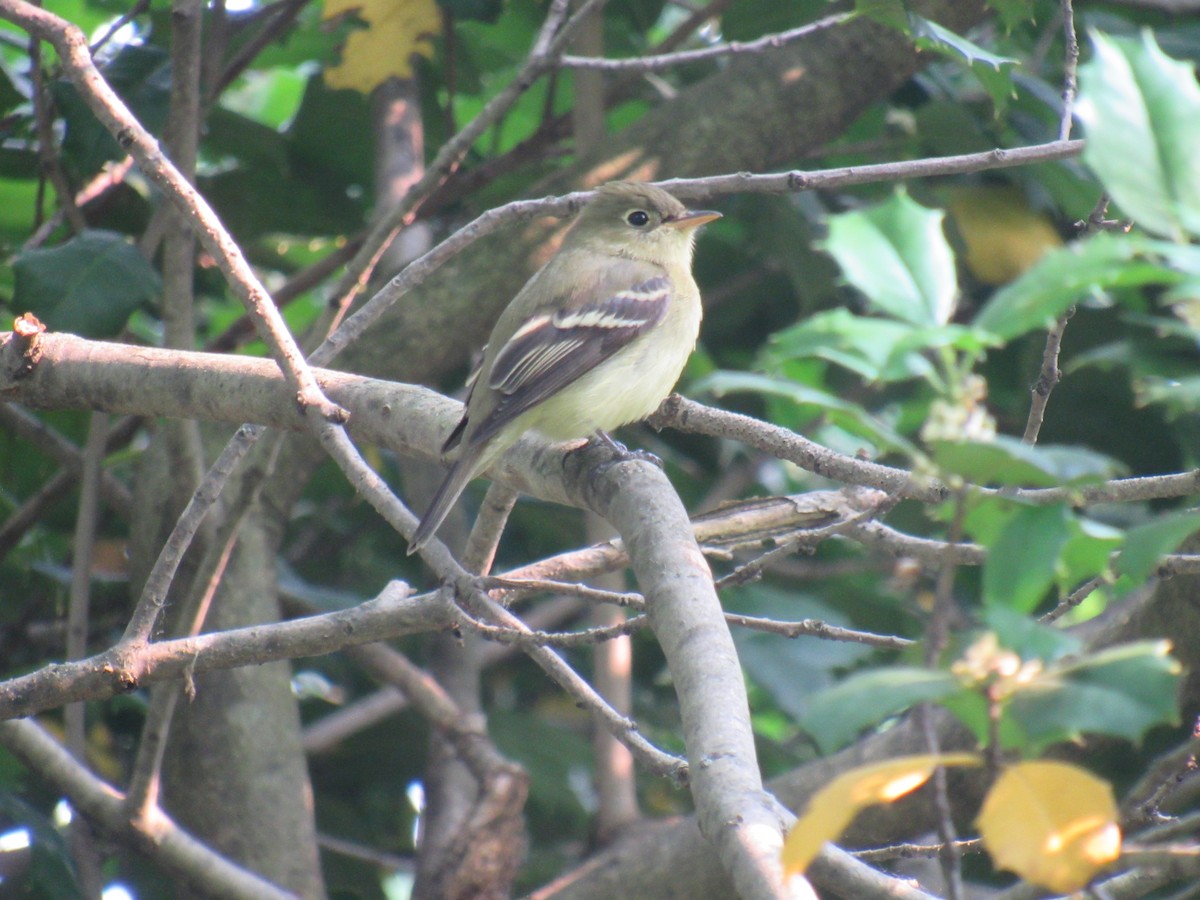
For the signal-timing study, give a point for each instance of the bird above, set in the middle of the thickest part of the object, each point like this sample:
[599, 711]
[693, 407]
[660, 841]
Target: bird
[596, 339]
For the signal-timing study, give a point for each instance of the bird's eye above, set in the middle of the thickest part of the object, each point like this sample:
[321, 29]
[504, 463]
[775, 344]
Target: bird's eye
[639, 218]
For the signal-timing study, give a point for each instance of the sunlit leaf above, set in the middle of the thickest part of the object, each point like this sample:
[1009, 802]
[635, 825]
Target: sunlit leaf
[1052, 823]
[897, 255]
[1142, 113]
[396, 30]
[833, 807]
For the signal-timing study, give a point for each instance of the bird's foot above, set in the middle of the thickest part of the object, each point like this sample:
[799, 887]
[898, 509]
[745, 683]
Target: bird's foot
[605, 439]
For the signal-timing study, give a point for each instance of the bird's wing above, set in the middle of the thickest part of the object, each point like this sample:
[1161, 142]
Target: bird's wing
[553, 349]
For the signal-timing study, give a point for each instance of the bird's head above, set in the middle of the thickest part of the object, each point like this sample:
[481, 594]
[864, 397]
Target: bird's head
[639, 221]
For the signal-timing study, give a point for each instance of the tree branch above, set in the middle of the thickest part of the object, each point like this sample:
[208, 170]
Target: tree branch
[162, 840]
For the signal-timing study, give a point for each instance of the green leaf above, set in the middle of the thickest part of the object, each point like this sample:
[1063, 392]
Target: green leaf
[971, 708]
[893, 13]
[994, 72]
[836, 716]
[1029, 638]
[897, 255]
[790, 671]
[1148, 543]
[1121, 691]
[1178, 396]
[1008, 461]
[18, 202]
[933, 36]
[1020, 564]
[270, 97]
[874, 348]
[1142, 113]
[89, 286]
[849, 415]
[861, 344]
[1064, 277]
[1088, 551]
[1013, 12]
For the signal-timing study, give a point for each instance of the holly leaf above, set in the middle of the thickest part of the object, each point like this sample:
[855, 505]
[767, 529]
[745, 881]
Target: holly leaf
[897, 255]
[1141, 110]
[89, 286]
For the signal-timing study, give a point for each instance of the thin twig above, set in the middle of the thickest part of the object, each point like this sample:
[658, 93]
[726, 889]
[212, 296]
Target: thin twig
[1073, 599]
[48, 157]
[1143, 802]
[1070, 68]
[145, 777]
[683, 57]
[1047, 379]
[126, 667]
[915, 851]
[154, 593]
[561, 640]
[331, 730]
[623, 729]
[120, 22]
[804, 539]
[354, 850]
[84, 849]
[278, 17]
[937, 635]
[631, 600]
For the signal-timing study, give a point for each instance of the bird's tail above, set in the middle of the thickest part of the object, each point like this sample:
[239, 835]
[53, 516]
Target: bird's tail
[460, 474]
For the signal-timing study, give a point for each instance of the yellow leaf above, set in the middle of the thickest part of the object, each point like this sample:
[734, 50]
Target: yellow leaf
[1052, 823]
[833, 807]
[1003, 234]
[396, 29]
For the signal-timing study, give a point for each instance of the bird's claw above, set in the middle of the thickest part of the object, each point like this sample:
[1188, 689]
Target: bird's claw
[607, 440]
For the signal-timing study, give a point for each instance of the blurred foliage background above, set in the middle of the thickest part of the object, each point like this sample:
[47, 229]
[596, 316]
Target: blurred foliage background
[903, 322]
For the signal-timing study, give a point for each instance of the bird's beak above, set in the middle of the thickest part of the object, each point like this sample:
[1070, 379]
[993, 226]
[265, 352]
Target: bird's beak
[693, 218]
